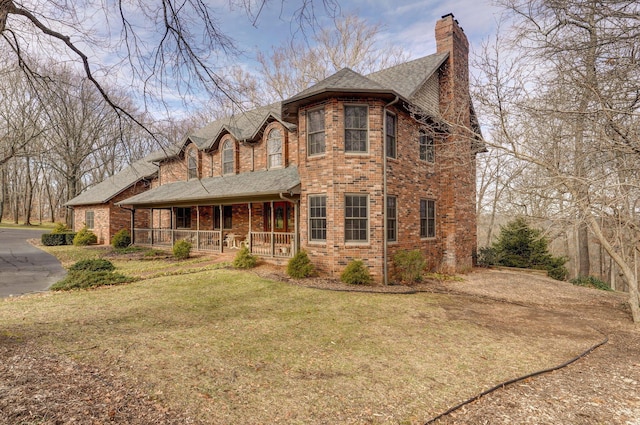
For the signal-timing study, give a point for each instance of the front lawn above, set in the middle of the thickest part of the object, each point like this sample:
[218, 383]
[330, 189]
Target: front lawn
[229, 347]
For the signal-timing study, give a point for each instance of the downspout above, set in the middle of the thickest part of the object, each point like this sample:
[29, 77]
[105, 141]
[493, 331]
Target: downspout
[385, 268]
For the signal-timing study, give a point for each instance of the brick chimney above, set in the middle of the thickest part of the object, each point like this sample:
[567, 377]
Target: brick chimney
[457, 166]
[450, 37]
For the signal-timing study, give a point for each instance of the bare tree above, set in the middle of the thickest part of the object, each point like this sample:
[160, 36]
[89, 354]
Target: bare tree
[184, 51]
[351, 42]
[566, 101]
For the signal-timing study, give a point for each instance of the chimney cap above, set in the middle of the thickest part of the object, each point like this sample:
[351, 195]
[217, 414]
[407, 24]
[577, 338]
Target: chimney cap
[447, 15]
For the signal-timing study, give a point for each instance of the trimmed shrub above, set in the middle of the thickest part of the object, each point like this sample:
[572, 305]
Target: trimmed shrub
[57, 239]
[84, 279]
[182, 249]
[591, 282]
[85, 237]
[61, 228]
[94, 265]
[121, 239]
[356, 273]
[409, 266]
[244, 259]
[300, 266]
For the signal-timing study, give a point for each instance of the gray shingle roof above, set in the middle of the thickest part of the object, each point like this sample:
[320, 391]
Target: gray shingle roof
[344, 80]
[105, 190]
[408, 77]
[237, 186]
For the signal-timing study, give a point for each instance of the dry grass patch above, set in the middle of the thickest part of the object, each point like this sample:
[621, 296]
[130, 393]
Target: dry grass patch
[225, 346]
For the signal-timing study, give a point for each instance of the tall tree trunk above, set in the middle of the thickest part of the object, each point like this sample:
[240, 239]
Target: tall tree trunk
[3, 190]
[28, 195]
[584, 262]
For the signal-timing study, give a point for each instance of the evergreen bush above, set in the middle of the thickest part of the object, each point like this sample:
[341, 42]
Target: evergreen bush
[84, 279]
[244, 259]
[93, 265]
[61, 228]
[356, 273]
[85, 237]
[182, 249]
[409, 266]
[121, 239]
[300, 266]
[518, 245]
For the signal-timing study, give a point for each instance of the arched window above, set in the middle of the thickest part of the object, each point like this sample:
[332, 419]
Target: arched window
[227, 157]
[274, 149]
[192, 164]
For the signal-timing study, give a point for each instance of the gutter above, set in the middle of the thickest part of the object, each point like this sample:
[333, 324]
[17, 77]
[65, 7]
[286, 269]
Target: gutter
[385, 267]
[133, 212]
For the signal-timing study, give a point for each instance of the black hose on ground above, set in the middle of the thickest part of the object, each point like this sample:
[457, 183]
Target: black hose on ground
[513, 381]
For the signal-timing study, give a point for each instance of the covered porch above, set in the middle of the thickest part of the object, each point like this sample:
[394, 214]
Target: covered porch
[267, 228]
[258, 209]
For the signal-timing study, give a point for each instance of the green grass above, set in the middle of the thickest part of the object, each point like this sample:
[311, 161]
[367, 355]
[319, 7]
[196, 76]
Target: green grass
[229, 347]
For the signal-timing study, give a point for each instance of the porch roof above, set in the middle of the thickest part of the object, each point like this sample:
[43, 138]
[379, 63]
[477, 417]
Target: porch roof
[243, 186]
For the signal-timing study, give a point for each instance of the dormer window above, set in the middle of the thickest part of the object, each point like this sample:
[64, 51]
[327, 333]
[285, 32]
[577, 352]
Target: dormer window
[227, 157]
[192, 164]
[274, 149]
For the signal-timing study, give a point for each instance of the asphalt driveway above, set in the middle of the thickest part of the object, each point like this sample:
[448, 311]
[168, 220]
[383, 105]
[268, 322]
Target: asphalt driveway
[24, 268]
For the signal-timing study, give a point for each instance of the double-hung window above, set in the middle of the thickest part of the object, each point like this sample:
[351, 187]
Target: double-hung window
[88, 219]
[356, 218]
[192, 164]
[315, 132]
[318, 217]
[427, 218]
[392, 218]
[390, 134]
[227, 157]
[356, 128]
[427, 147]
[274, 148]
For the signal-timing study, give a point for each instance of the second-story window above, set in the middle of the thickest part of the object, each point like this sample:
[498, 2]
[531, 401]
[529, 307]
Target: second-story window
[427, 148]
[192, 164]
[355, 128]
[227, 157]
[390, 134]
[315, 132]
[274, 149]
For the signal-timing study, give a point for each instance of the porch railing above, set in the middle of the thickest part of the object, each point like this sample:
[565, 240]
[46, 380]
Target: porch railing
[261, 243]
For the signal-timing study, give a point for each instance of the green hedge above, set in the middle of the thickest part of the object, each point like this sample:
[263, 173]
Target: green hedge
[57, 239]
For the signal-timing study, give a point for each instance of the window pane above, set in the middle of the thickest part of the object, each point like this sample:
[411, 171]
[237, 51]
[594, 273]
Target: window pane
[391, 135]
[227, 157]
[356, 218]
[318, 217]
[274, 148]
[355, 124]
[315, 130]
[391, 218]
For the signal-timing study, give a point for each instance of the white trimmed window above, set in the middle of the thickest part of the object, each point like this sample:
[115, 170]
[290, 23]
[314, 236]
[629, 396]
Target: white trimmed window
[356, 128]
[227, 157]
[317, 218]
[356, 218]
[89, 219]
[315, 132]
[274, 149]
[183, 218]
[427, 218]
[192, 164]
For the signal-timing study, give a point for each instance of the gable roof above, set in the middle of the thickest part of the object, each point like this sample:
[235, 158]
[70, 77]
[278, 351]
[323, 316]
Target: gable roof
[242, 126]
[407, 78]
[253, 184]
[104, 191]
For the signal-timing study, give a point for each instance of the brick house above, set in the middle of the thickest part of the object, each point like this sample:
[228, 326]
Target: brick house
[353, 167]
[96, 207]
